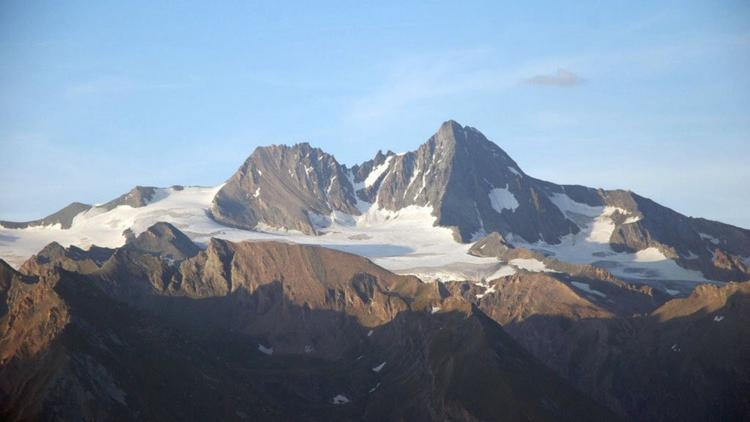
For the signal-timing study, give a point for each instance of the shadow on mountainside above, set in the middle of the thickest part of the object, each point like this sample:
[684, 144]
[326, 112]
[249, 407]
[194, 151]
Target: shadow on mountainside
[156, 357]
[683, 362]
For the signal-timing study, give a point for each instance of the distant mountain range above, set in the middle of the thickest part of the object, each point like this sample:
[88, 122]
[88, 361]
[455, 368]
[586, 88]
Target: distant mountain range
[439, 284]
[465, 183]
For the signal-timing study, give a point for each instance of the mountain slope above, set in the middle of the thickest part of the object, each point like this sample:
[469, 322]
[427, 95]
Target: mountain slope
[64, 218]
[682, 360]
[281, 186]
[261, 331]
[473, 186]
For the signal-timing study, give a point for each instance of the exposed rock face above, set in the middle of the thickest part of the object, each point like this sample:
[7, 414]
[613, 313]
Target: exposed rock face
[139, 196]
[492, 245]
[459, 173]
[165, 240]
[683, 360]
[284, 187]
[368, 189]
[260, 331]
[64, 218]
[71, 259]
[32, 318]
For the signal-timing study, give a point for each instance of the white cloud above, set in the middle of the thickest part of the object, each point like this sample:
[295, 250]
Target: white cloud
[561, 78]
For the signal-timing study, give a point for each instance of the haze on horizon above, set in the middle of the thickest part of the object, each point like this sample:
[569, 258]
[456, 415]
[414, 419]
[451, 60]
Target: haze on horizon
[100, 97]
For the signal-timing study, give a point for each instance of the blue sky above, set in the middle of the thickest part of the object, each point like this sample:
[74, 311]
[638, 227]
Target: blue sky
[97, 97]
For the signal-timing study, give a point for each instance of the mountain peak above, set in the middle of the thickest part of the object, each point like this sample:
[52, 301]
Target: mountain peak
[284, 186]
[139, 196]
[165, 239]
[451, 131]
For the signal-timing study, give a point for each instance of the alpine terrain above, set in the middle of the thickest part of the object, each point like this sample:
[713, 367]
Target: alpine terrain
[443, 283]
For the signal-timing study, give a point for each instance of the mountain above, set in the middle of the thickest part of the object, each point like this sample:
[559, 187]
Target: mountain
[138, 197]
[164, 240]
[644, 356]
[271, 330]
[439, 284]
[473, 187]
[281, 186]
[258, 331]
[457, 182]
[64, 218]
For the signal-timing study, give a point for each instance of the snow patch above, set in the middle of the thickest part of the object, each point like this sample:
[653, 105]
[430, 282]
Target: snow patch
[690, 255]
[710, 238]
[376, 172]
[379, 367]
[591, 246]
[718, 318]
[435, 309]
[632, 219]
[185, 208]
[504, 271]
[530, 264]
[487, 291]
[503, 199]
[568, 206]
[340, 399]
[651, 254]
[264, 349]
[587, 288]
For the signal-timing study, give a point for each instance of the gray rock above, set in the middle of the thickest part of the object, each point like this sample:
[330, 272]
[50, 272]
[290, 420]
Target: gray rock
[64, 218]
[492, 245]
[137, 197]
[284, 187]
[165, 240]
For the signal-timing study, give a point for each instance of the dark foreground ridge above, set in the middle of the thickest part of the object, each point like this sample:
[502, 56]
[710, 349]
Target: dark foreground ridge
[161, 330]
[157, 330]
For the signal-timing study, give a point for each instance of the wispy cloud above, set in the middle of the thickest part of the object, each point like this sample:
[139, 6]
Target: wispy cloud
[561, 78]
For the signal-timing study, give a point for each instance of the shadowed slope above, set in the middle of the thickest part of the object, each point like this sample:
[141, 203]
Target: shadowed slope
[270, 331]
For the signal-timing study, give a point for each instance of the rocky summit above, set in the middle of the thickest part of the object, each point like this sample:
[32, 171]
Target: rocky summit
[457, 180]
[441, 284]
